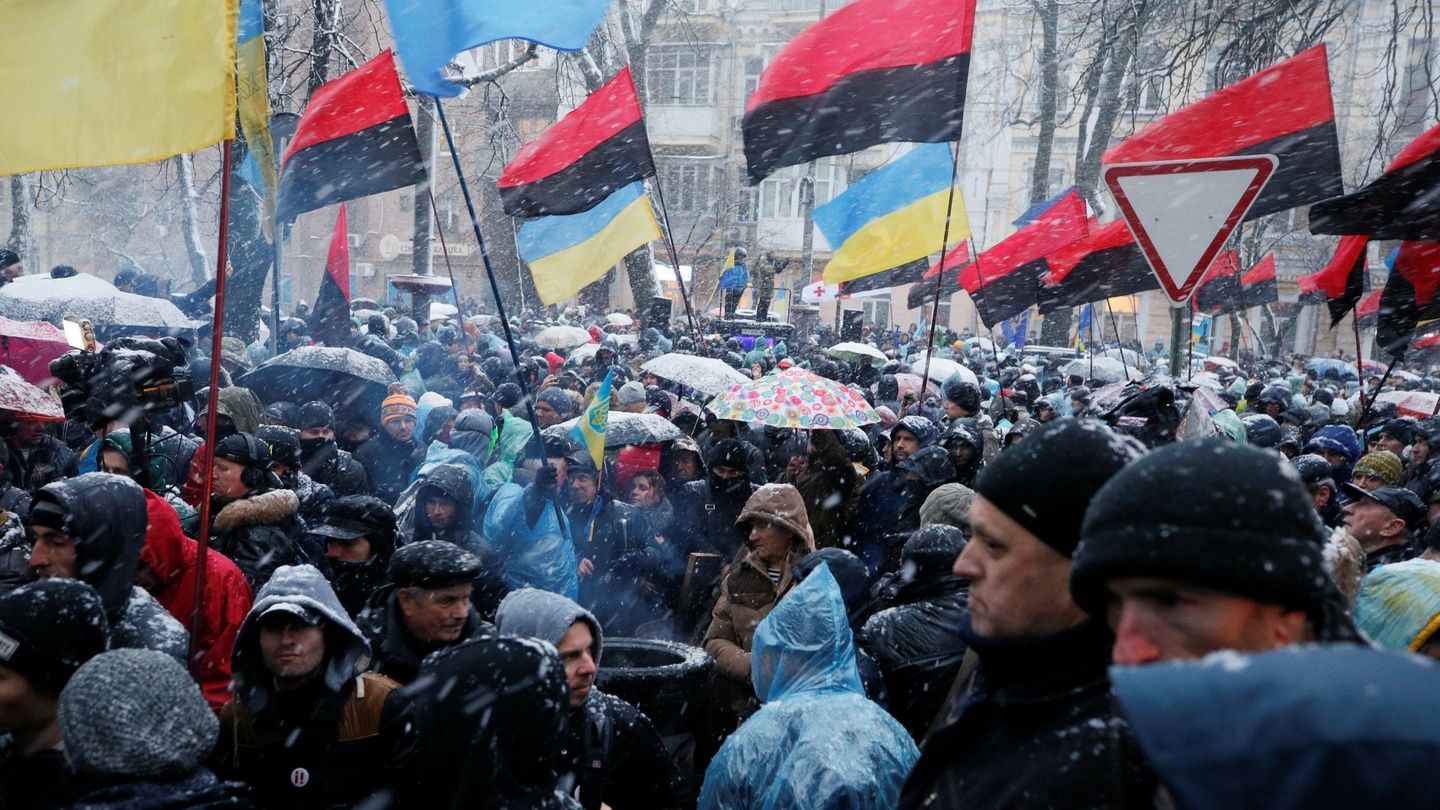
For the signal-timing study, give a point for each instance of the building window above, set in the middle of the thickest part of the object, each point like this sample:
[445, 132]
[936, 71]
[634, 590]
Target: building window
[680, 75]
[1054, 184]
[877, 312]
[750, 78]
[780, 193]
[1149, 88]
[689, 186]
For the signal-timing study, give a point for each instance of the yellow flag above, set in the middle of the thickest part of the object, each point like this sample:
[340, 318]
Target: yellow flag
[568, 252]
[590, 429]
[253, 96]
[105, 82]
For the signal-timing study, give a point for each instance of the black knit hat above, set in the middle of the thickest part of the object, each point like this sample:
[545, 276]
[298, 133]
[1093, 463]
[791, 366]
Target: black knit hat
[1211, 513]
[49, 628]
[433, 564]
[1045, 482]
[284, 443]
[964, 394]
[315, 415]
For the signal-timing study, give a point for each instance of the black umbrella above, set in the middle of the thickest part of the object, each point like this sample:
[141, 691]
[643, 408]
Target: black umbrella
[349, 381]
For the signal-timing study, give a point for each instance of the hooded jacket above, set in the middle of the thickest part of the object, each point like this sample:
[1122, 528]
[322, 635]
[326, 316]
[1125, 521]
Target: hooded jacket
[340, 729]
[747, 594]
[1340, 439]
[259, 532]
[172, 556]
[503, 757]
[106, 519]
[706, 510]
[616, 538]
[788, 755]
[388, 464]
[829, 484]
[633, 769]
[454, 482]
[540, 556]
[889, 506]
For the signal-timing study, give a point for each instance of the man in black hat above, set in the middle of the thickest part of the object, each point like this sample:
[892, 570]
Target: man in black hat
[322, 459]
[10, 267]
[1033, 723]
[47, 630]
[1184, 560]
[706, 511]
[618, 562]
[254, 519]
[424, 608]
[359, 535]
[284, 444]
[1384, 521]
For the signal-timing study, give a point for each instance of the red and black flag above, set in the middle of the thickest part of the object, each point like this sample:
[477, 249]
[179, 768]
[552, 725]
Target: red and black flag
[578, 161]
[908, 273]
[1218, 292]
[1284, 110]
[1258, 286]
[1402, 203]
[873, 72]
[1342, 281]
[944, 273]
[354, 139]
[1005, 280]
[1105, 264]
[330, 320]
[1409, 295]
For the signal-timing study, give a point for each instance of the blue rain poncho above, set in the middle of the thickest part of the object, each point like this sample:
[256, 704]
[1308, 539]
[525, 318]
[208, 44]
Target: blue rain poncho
[818, 742]
[541, 556]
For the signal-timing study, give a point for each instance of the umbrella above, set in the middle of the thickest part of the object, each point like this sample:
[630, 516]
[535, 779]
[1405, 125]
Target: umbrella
[910, 383]
[562, 337]
[1129, 357]
[620, 319]
[984, 344]
[852, 352]
[1215, 361]
[348, 380]
[1419, 404]
[705, 374]
[87, 297]
[625, 429]
[582, 352]
[1105, 369]
[795, 398]
[1329, 367]
[942, 370]
[25, 400]
[28, 348]
[440, 309]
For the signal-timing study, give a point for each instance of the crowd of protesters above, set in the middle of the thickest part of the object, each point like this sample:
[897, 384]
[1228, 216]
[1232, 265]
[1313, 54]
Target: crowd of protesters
[1035, 589]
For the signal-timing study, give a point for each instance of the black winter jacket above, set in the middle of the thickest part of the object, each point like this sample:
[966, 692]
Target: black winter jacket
[394, 652]
[918, 645]
[623, 550]
[1039, 729]
[258, 532]
[614, 755]
[198, 790]
[453, 481]
[389, 464]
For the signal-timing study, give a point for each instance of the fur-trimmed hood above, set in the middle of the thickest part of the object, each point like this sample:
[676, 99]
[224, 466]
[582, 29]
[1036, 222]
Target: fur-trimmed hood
[264, 509]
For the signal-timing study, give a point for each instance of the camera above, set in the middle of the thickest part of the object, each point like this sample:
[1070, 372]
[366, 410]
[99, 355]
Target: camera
[132, 377]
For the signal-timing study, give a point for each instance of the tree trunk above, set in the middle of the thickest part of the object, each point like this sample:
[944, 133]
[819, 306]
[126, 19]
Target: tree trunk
[322, 42]
[1049, 95]
[22, 225]
[190, 220]
[249, 256]
[640, 269]
[1087, 170]
[1055, 328]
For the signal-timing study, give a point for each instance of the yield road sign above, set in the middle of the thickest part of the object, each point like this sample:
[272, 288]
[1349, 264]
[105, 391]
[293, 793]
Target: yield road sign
[1182, 211]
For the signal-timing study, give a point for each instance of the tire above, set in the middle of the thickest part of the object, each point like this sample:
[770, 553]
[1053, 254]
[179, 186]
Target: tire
[665, 680]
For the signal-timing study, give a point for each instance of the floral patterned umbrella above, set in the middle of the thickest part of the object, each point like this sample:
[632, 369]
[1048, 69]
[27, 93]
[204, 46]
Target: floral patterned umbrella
[795, 398]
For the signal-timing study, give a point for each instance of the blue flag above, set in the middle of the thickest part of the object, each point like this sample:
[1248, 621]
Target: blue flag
[1085, 317]
[430, 33]
[1014, 329]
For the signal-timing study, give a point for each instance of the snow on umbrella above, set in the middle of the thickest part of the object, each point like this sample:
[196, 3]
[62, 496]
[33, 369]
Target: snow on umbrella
[582, 352]
[562, 337]
[1104, 369]
[941, 370]
[910, 383]
[620, 319]
[795, 398]
[625, 429]
[1215, 361]
[1129, 357]
[83, 296]
[28, 348]
[346, 379]
[1419, 404]
[22, 399]
[1330, 367]
[852, 352]
[705, 374]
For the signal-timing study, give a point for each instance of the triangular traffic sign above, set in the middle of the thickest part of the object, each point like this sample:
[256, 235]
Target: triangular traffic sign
[1182, 211]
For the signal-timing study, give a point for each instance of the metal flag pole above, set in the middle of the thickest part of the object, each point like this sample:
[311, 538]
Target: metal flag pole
[499, 305]
[940, 277]
[197, 616]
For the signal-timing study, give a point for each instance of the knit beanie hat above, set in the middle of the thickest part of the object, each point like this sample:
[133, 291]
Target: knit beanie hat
[1382, 464]
[1045, 482]
[933, 550]
[507, 395]
[964, 394]
[557, 398]
[49, 628]
[397, 405]
[315, 415]
[630, 393]
[1211, 513]
[135, 714]
[948, 505]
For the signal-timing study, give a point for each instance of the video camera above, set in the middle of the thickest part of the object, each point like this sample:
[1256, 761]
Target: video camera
[131, 377]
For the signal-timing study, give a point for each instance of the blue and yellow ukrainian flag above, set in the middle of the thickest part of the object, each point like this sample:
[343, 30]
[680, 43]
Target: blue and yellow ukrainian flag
[567, 253]
[893, 215]
[252, 98]
[590, 429]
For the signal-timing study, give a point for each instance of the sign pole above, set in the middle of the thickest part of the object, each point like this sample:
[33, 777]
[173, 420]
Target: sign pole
[1177, 336]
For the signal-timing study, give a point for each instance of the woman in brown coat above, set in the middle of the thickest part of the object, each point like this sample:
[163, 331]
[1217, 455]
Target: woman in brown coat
[778, 535]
